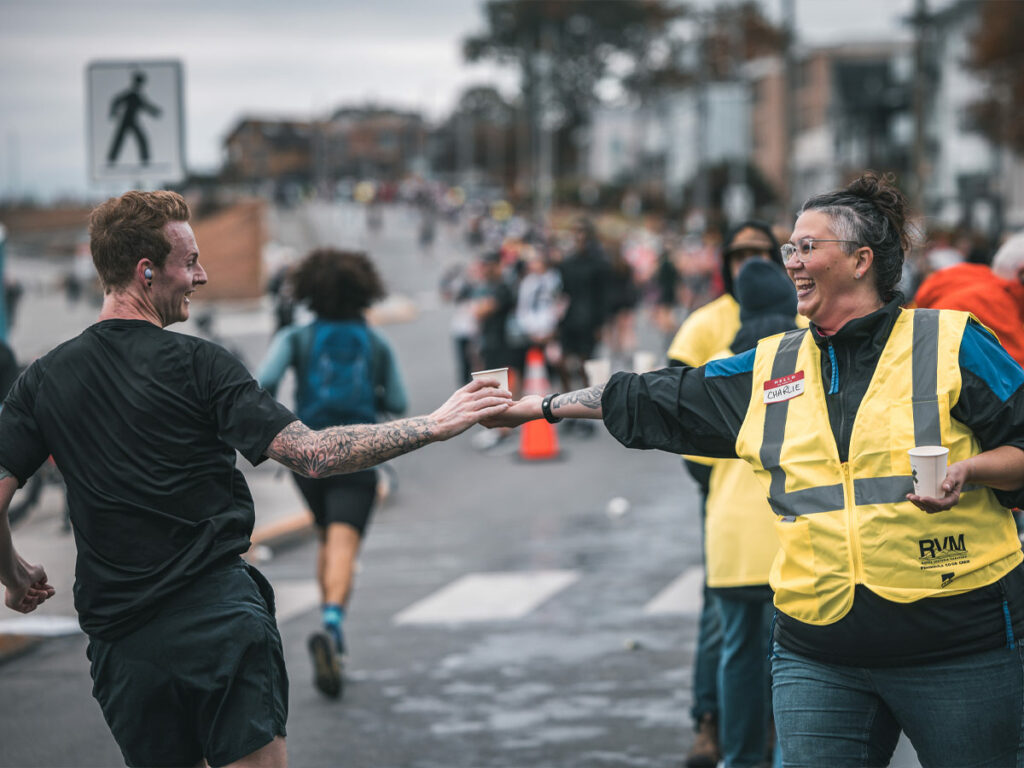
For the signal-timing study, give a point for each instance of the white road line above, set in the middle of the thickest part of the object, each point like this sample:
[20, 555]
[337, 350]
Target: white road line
[682, 596]
[292, 597]
[487, 597]
[40, 626]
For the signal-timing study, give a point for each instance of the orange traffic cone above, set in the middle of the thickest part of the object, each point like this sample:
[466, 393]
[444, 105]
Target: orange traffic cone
[538, 439]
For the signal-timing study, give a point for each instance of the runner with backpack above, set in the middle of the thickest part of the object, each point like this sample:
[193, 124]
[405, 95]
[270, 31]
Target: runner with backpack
[345, 373]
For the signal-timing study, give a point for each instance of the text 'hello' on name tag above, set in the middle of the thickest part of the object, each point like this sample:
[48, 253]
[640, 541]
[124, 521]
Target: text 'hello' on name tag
[784, 388]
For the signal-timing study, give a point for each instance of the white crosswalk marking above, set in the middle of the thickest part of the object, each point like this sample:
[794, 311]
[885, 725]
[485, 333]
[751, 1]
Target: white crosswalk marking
[40, 626]
[293, 597]
[487, 597]
[682, 596]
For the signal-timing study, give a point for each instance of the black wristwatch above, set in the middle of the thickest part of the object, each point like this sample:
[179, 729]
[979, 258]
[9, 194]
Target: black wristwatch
[545, 408]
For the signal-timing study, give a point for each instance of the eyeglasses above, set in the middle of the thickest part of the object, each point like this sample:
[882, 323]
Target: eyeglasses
[803, 247]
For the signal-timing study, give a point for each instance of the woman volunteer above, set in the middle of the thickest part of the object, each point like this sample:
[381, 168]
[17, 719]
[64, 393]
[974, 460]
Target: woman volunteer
[893, 611]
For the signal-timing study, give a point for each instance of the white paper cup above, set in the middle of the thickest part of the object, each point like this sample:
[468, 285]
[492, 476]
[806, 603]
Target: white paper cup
[598, 371]
[501, 374]
[644, 361]
[928, 467]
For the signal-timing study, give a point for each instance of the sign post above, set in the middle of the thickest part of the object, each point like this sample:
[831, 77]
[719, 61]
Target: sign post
[3, 286]
[136, 121]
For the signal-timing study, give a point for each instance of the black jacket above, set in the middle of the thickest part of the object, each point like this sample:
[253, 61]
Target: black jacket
[700, 411]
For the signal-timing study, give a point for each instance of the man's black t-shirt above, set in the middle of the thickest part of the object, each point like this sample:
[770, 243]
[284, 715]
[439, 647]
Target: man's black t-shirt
[144, 424]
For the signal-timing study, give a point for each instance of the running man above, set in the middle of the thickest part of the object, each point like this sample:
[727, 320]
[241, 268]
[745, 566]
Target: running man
[144, 423]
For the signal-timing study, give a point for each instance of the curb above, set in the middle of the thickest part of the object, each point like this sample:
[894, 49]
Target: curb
[12, 646]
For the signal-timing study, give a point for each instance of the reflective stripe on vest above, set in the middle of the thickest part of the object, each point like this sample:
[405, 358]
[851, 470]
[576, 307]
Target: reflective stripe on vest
[867, 490]
[848, 523]
[924, 363]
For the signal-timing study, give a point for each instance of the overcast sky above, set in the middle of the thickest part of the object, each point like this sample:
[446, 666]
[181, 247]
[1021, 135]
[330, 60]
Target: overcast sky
[294, 58]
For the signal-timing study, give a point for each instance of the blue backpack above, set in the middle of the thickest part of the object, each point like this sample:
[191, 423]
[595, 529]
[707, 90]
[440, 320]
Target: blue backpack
[338, 385]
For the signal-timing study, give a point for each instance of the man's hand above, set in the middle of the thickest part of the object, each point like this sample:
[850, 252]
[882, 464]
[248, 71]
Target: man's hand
[479, 400]
[520, 412]
[952, 485]
[31, 590]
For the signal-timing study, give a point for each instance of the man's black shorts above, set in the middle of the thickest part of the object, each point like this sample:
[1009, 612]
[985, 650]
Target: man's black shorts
[345, 499]
[205, 678]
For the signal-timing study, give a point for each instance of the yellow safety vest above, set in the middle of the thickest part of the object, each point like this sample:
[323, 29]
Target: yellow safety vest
[706, 332]
[843, 524]
[740, 541]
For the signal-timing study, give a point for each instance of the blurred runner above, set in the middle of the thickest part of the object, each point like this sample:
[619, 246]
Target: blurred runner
[346, 373]
[458, 284]
[585, 278]
[623, 295]
[493, 303]
[540, 303]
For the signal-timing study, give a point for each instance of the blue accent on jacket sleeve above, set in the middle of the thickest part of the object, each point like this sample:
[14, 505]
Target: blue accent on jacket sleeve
[731, 366]
[983, 356]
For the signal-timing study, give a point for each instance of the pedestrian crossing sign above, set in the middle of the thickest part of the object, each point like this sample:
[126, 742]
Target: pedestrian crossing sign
[135, 121]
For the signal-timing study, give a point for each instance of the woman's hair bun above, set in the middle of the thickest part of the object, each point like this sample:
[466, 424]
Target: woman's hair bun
[882, 192]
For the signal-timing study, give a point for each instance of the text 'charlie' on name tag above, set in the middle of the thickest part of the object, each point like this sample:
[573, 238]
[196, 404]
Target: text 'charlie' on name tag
[784, 388]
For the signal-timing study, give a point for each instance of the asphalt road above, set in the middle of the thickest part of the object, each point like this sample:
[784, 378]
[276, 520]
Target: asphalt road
[505, 613]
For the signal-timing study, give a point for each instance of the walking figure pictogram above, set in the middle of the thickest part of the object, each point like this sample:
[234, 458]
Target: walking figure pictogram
[129, 103]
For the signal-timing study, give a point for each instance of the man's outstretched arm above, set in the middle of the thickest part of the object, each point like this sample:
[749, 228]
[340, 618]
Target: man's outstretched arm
[337, 450]
[26, 584]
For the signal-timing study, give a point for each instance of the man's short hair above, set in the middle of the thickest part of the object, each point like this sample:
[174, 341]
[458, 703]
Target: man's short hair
[128, 228]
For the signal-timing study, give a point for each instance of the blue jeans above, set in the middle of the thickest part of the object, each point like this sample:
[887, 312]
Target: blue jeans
[705, 662]
[743, 680]
[967, 711]
[709, 631]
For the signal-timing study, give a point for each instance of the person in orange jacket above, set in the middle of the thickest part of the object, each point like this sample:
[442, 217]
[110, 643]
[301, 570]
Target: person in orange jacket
[994, 295]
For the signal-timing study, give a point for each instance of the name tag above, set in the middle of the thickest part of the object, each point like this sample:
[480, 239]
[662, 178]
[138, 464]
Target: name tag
[784, 388]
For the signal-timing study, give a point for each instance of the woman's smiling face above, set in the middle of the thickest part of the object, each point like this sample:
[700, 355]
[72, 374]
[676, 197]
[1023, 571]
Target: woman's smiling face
[832, 286]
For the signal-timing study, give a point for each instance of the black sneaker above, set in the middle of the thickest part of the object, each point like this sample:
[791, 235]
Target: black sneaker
[326, 666]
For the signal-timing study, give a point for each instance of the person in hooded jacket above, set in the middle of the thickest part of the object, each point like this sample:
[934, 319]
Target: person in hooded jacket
[740, 544]
[706, 332]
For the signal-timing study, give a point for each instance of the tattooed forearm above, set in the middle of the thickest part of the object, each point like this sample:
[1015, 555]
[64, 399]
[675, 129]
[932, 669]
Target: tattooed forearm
[337, 450]
[589, 398]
